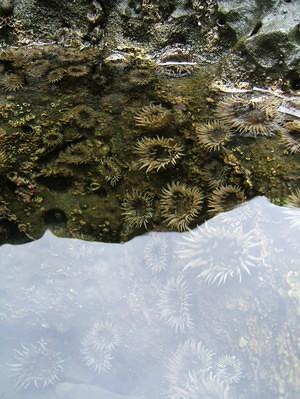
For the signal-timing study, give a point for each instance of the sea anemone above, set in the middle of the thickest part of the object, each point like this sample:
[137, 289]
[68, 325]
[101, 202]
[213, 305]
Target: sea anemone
[292, 211]
[255, 116]
[153, 117]
[180, 205]
[229, 369]
[36, 366]
[99, 360]
[77, 70]
[12, 82]
[212, 136]
[225, 198]
[290, 137]
[209, 386]
[110, 170]
[56, 75]
[155, 253]
[102, 336]
[137, 209]
[52, 138]
[157, 153]
[84, 116]
[37, 68]
[220, 253]
[174, 305]
[139, 76]
[76, 154]
[191, 361]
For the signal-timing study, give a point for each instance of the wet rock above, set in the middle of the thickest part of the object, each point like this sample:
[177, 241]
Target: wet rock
[276, 44]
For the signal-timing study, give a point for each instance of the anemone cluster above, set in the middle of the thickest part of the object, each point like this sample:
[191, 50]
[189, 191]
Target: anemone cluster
[144, 152]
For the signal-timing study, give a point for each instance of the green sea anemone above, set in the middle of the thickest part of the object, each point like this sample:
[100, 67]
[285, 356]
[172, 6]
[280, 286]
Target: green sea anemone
[137, 208]
[153, 117]
[84, 116]
[180, 205]
[212, 136]
[157, 153]
[110, 170]
[12, 82]
[290, 137]
[225, 198]
[52, 138]
[254, 116]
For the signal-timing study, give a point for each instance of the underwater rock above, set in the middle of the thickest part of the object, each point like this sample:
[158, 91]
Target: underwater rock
[67, 390]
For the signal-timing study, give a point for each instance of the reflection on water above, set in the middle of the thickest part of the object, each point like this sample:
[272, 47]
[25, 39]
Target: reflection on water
[211, 313]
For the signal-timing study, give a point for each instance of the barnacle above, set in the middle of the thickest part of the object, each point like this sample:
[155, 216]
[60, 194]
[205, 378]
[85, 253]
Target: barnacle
[220, 253]
[174, 304]
[224, 198]
[212, 136]
[254, 116]
[56, 75]
[137, 209]
[36, 366]
[153, 117]
[290, 136]
[109, 168]
[191, 360]
[157, 153]
[52, 138]
[84, 116]
[180, 205]
[12, 82]
[77, 70]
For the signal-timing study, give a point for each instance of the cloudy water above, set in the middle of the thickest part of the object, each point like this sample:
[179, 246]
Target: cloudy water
[209, 313]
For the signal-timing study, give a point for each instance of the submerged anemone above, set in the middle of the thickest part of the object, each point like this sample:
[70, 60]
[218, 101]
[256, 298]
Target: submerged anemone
[255, 116]
[225, 198]
[99, 360]
[139, 77]
[191, 361]
[52, 138]
[36, 366]
[84, 116]
[137, 209]
[110, 170]
[157, 153]
[292, 211]
[37, 68]
[290, 137]
[229, 369]
[212, 136]
[155, 254]
[12, 82]
[220, 253]
[102, 336]
[180, 205]
[56, 75]
[76, 154]
[77, 70]
[174, 305]
[153, 117]
[209, 386]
